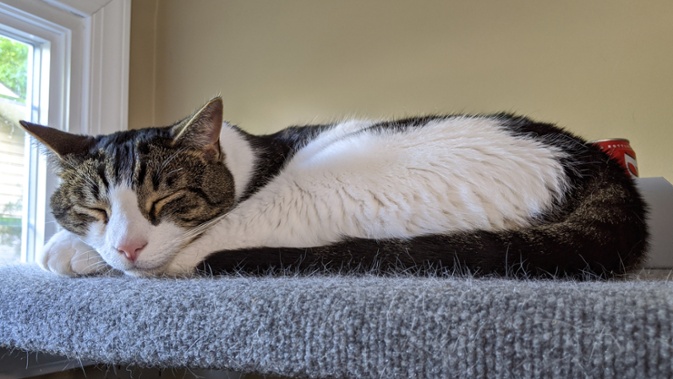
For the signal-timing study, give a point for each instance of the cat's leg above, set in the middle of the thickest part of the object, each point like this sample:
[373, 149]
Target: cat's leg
[66, 254]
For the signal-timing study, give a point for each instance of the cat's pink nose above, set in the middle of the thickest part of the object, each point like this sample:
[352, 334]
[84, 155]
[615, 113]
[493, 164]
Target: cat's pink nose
[131, 248]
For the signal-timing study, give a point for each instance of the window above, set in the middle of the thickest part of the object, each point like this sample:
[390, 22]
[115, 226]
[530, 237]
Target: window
[76, 80]
[19, 78]
[73, 75]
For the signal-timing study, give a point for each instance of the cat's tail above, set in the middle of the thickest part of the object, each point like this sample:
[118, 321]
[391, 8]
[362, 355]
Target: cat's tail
[600, 232]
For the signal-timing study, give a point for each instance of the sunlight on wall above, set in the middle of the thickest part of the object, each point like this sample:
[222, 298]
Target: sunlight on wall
[602, 69]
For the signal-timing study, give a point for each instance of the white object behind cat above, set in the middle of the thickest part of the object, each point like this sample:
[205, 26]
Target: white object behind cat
[658, 193]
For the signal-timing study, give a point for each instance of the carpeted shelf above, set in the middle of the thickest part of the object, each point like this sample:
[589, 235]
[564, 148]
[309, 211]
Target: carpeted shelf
[343, 326]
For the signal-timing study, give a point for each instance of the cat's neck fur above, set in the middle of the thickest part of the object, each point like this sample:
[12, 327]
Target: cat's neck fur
[240, 157]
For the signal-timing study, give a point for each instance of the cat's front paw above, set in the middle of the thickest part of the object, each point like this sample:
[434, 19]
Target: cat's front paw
[66, 254]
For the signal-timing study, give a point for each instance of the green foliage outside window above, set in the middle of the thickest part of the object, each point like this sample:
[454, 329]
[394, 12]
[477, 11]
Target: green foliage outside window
[14, 81]
[13, 68]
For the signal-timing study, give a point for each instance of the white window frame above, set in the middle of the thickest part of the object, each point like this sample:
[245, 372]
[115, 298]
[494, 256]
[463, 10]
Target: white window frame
[88, 56]
[88, 93]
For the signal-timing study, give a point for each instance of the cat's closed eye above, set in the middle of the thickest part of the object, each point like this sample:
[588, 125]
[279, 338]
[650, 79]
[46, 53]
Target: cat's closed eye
[157, 205]
[97, 213]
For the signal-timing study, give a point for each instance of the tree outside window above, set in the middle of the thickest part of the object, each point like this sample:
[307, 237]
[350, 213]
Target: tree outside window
[13, 91]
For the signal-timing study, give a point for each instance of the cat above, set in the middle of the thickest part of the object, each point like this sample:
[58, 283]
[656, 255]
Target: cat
[480, 194]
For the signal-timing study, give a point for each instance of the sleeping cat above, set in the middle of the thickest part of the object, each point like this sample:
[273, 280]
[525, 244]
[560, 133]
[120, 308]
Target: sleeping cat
[497, 194]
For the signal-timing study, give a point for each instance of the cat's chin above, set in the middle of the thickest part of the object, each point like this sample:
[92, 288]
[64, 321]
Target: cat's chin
[149, 263]
[140, 269]
[153, 269]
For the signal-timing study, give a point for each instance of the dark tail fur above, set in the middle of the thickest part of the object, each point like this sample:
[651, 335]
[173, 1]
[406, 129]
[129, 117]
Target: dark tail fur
[599, 231]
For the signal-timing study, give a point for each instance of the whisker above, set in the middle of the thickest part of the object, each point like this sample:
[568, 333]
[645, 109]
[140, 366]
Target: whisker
[168, 160]
[176, 170]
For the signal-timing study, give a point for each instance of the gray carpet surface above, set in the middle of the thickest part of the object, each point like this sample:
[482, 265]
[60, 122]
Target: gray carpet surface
[359, 327]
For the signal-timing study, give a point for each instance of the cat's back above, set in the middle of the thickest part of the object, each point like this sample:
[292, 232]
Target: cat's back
[466, 147]
[503, 135]
[464, 172]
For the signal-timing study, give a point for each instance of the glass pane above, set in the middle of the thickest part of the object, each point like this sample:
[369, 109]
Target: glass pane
[14, 88]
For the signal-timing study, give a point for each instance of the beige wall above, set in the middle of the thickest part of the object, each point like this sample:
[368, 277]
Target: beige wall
[600, 68]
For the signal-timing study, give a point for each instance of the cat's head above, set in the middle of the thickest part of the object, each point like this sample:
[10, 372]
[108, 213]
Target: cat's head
[137, 196]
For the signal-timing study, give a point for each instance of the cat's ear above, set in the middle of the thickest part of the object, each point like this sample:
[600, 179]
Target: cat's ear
[202, 129]
[60, 142]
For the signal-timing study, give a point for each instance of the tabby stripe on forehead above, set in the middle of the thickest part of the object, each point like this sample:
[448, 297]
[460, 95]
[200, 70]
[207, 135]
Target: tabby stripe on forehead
[95, 191]
[156, 180]
[117, 168]
[142, 172]
[124, 163]
[103, 179]
[117, 164]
